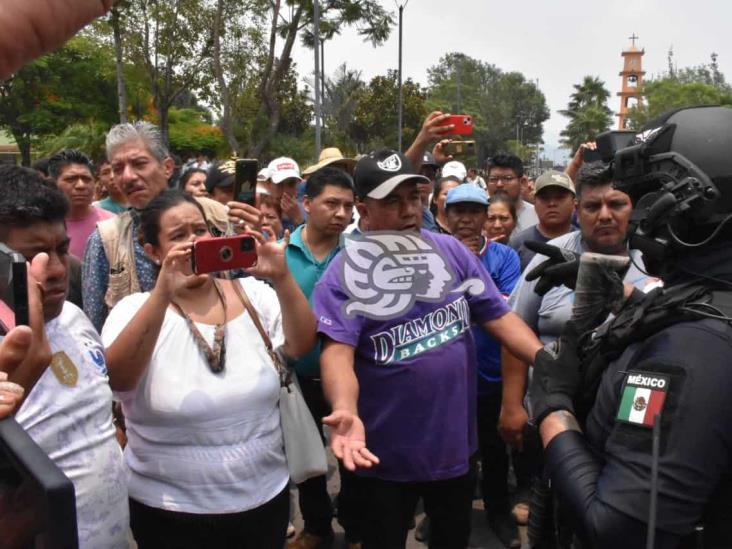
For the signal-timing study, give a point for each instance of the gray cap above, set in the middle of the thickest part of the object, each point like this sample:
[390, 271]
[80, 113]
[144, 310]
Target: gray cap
[553, 178]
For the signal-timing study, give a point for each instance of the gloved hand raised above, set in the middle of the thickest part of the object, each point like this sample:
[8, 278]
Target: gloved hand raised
[556, 377]
[560, 268]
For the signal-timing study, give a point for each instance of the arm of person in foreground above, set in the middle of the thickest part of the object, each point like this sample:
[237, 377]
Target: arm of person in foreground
[513, 418]
[340, 385]
[575, 472]
[432, 130]
[29, 28]
[520, 345]
[129, 354]
[515, 335]
[298, 321]
[29, 352]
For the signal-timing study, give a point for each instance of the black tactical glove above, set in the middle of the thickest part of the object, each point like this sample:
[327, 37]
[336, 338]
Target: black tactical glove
[560, 268]
[556, 378]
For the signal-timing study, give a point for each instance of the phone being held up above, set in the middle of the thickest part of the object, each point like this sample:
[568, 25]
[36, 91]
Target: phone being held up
[245, 180]
[13, 289]
[212, 255]
[463, 124]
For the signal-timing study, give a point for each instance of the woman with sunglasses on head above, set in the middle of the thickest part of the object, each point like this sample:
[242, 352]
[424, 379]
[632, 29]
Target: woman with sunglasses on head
[200, 392]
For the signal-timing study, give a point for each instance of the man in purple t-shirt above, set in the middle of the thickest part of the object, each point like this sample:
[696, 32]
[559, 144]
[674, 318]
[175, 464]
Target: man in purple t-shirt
[398, 364]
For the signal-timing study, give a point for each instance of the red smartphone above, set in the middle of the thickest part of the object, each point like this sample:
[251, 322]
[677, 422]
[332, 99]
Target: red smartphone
[463, 124]
[211, 255]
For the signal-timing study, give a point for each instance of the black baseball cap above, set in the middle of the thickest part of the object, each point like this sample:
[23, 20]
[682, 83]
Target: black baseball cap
[380, 172]
[221, 174]
[429, 160]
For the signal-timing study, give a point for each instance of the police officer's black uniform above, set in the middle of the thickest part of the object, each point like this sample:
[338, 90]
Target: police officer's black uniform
[679, 373]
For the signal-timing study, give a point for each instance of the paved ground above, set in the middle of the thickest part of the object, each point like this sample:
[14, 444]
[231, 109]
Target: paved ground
[481, 537]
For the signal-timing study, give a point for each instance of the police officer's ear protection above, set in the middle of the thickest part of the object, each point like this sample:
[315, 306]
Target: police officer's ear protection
[670, 194]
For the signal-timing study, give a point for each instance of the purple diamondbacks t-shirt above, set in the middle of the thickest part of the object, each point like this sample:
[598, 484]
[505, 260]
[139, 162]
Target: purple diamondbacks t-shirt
[416, 371]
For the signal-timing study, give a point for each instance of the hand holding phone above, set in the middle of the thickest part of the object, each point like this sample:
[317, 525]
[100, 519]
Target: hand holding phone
[224, 253]
[463, 124]
[245, 180]
[13, 288]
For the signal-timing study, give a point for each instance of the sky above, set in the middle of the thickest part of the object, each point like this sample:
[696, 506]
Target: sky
[557, 42]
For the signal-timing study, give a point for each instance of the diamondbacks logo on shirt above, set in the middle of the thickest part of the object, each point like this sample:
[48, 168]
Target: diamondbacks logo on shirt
[644, 394]
[414, 337]
[386, 273]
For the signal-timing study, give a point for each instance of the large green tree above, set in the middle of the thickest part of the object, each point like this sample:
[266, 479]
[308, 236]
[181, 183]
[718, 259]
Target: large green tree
[507, 109]
[587, 111]
[375, 118]
[700, 85]
[172, 41]
[291, 20]
[76, 83]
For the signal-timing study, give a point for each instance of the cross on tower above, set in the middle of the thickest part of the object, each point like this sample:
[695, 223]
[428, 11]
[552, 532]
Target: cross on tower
[633, 39]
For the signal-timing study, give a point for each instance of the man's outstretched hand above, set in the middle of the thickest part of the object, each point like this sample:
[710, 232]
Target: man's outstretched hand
[348, 440]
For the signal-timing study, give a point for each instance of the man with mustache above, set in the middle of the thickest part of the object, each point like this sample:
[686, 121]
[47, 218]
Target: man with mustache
[603, 214]
[115, 264]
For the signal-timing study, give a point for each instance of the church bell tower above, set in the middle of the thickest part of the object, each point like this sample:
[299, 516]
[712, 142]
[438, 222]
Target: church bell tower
[632, 75]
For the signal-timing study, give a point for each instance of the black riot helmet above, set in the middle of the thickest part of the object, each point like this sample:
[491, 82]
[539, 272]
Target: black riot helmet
[678, 173]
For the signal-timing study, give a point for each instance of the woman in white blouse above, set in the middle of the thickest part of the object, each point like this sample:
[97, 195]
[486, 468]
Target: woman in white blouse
[200, 393]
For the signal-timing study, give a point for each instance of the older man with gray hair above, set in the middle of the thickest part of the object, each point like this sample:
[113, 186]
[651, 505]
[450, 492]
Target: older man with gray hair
[115, 264]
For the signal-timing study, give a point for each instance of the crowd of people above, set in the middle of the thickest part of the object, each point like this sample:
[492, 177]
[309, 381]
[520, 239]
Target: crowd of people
[423, 401]
[445, 326]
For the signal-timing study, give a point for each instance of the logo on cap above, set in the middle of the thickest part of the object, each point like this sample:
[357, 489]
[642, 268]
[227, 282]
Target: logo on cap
[285, 166]
[391, 163]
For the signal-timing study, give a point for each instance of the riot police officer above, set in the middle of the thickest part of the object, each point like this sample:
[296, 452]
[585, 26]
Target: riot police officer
[653, 456]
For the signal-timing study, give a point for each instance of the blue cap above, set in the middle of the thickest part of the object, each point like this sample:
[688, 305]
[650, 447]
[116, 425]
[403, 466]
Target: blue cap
[466, 192]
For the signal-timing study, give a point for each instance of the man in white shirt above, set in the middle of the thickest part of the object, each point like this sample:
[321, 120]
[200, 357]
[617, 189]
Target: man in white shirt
[67, 409]
[476, 179]
[506, 176]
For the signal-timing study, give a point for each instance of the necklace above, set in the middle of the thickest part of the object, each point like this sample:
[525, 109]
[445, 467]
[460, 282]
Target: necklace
[216, 356]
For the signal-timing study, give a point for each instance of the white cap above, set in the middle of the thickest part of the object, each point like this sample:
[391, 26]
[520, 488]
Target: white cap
[264, 174]
[454, 169]
[283, 168]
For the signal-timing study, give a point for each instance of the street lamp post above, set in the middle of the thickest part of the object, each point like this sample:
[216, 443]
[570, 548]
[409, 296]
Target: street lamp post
[322, 70]
[316, 44]
[401, 97]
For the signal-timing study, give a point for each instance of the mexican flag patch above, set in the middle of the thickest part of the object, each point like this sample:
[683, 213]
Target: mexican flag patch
[643, 396]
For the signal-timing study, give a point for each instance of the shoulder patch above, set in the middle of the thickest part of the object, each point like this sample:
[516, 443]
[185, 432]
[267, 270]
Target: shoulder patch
[643, 397]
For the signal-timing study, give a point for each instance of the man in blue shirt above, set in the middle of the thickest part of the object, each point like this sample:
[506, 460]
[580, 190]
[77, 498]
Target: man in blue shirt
[328, 202]
[467, 210]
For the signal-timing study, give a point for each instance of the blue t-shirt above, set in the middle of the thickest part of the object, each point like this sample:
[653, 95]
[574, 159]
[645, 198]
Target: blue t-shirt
[416, 369]
[503, 264]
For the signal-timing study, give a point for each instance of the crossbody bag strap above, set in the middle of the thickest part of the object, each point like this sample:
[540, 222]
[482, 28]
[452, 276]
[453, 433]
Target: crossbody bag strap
[283, 372]
[253, 314]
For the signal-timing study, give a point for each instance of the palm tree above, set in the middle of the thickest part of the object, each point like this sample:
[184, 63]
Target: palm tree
[587, 111]
[342, 93]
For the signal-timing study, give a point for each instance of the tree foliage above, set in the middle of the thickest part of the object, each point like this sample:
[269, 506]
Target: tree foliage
[190, 133]
[700, 85]
[72, 84]
[375, 118]
[172, 40]
[587, 111]
[342, 93]
[507, 109]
